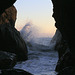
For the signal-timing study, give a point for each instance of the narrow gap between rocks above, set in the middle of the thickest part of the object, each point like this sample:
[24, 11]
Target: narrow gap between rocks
[42, 57]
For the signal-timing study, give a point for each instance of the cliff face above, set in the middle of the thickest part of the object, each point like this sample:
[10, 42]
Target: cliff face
[64, 15]
[10, 39]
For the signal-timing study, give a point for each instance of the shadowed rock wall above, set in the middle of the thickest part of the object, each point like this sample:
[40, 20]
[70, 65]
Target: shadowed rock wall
[64, 15]
[10, 39]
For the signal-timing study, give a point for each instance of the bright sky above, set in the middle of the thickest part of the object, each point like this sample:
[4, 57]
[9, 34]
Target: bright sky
[38, 12]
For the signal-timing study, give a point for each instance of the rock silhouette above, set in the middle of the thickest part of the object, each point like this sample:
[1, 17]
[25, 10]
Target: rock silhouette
[4, 4]
[10, 39]
[64, 15]
[7, 60]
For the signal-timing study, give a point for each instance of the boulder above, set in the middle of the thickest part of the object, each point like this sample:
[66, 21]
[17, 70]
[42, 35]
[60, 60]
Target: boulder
[10, 39]
[14, 72]
[7, 60]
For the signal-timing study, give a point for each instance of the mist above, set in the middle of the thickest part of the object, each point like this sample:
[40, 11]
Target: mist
[30, 32]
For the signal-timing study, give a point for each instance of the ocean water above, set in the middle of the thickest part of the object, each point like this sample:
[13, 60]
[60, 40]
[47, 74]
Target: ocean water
[42, 59]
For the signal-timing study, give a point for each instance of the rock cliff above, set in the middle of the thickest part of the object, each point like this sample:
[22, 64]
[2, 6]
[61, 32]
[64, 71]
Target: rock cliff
[64, 15]
[10, 39]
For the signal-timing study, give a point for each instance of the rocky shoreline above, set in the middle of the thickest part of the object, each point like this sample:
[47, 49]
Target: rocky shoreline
[13, 47]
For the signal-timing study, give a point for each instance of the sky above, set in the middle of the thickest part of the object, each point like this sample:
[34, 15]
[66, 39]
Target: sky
[38, 12]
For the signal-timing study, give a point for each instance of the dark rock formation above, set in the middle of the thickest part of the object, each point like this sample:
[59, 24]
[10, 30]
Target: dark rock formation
[65, 58]
[67, 71]
[14, 72]
[10, 39]
[64, 15]
[56, 39]
[65, 61]
[7, 60]
[60, 44]
[4, 4]
[9, 16]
